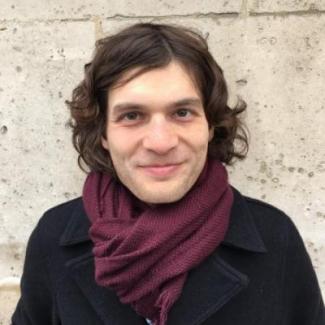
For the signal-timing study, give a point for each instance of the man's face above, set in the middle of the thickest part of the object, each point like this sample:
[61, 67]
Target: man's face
[157, 133]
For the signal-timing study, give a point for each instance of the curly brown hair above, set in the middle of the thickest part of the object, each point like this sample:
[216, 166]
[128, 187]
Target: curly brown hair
[148, 46]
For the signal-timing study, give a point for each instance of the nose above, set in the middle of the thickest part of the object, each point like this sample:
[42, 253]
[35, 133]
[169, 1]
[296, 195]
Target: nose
[161, 136]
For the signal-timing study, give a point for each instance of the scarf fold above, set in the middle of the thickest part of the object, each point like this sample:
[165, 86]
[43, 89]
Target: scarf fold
[144, 253]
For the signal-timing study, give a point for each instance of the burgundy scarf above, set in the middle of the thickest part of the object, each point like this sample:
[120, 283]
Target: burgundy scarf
[144, 253]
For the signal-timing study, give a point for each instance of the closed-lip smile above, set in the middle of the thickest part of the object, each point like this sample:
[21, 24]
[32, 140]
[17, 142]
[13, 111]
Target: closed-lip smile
[160, 170]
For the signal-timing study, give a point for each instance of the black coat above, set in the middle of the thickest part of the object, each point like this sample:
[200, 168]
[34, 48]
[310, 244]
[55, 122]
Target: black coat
[260, 275]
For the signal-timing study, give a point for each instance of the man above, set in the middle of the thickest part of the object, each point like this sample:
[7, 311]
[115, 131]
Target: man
[159, 236]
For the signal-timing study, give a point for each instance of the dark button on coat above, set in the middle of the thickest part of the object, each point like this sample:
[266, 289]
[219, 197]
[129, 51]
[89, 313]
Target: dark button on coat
[260, 275]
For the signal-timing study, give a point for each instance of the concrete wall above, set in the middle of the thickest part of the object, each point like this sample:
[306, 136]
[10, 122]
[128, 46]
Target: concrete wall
[273, 56]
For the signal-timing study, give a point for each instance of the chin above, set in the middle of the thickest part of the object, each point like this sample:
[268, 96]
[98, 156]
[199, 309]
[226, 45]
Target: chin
[156, 195]
[160, 199]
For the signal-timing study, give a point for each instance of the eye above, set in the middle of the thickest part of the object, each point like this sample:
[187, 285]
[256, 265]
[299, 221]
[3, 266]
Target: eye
[183, 113]
[131, 116]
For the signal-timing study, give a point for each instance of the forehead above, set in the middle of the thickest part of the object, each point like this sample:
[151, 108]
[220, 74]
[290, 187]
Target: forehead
[170, 81]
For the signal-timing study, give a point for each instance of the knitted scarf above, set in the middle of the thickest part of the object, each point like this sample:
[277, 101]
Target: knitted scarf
[144, 253]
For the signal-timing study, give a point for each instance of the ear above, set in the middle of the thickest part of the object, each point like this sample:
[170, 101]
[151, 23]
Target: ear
[211, 133]
[104, 143]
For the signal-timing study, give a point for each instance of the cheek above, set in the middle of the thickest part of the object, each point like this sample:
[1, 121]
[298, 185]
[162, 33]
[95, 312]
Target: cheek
[198, 138]
[121, 146]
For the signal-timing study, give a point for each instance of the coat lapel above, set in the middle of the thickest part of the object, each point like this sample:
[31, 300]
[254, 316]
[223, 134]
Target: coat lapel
[206, 290]
[208, 287]
[104, 301]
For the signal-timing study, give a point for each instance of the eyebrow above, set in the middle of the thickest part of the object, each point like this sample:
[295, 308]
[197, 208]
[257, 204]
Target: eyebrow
[121, 107]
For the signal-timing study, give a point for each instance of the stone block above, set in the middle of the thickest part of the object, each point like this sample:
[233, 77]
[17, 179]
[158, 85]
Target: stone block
[52, 10]
[12, 255]
[77, 9]
[266, 6]
[41, 63]
[9, 295]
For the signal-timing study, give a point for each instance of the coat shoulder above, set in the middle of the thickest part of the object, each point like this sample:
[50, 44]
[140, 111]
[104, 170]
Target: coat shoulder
[286, 246]
[266, 215]
[55, 220]
[276, 228]
[62, 210]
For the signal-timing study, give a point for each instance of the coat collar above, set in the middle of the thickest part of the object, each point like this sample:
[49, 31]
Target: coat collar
[242, 232]
[207, 288]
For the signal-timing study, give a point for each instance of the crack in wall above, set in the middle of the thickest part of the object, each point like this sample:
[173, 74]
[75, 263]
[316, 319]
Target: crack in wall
[98, 27]
[120, 17]
[244, 12]
[309, 12]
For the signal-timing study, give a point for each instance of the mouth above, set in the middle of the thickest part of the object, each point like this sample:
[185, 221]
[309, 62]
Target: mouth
[161, 171]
